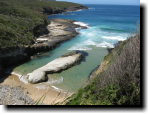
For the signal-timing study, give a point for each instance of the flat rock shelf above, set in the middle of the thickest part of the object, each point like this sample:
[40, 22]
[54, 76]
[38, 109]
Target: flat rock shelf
[54, 66]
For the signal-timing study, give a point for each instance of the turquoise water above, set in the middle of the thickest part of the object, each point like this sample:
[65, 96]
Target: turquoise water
[108, 24]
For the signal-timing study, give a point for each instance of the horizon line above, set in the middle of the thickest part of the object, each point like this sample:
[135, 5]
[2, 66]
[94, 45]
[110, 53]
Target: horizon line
[110, 4]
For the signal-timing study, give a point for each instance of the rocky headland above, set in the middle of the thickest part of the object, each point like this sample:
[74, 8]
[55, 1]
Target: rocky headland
[59, 30]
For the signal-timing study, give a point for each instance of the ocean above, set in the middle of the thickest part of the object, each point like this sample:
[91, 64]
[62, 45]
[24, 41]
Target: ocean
[107, 25]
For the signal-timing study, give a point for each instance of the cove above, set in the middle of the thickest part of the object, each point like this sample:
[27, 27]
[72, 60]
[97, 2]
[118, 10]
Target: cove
[108, 24]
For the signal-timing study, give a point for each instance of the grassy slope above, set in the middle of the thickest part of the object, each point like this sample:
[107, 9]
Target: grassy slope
[119, 83]
[20, 20]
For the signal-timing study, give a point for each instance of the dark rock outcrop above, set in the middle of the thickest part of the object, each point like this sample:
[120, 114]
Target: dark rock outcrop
[13, 56]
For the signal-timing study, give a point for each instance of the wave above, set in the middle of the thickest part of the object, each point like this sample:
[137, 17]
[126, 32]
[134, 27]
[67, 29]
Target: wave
[84, 46]
[90, 43]
[105, 45]
[80, 48]
[55, 81]
[78, 10]
[118, 38]
[112, 29]
[96, 37]
[82, 24]
[78, 30]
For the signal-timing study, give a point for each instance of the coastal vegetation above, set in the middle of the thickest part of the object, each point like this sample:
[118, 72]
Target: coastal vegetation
[25, 28]
[117, 82]
[21, 21]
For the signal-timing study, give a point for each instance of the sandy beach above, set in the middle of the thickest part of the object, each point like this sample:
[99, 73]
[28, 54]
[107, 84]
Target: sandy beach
[51, 95]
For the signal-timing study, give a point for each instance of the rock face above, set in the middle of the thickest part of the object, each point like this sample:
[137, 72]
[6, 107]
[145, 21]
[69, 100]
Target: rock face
[57, 65]
[12, 56]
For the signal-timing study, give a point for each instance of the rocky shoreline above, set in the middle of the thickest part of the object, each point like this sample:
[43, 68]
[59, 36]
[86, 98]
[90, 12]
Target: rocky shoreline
[28, 86]
[15, 92]
[60, 30]
[46, 38]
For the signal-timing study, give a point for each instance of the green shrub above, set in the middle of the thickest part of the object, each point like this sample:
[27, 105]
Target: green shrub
[119, 84]
[21, 21]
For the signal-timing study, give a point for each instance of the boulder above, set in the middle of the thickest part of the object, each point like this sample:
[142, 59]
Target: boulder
[36, 76]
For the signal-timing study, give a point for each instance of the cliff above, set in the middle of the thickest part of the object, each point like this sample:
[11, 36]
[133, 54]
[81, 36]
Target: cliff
[116, 81]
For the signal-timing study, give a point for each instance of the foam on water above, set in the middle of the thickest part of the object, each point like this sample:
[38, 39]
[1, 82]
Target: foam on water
[78, 30]
[105, 45]
[79, 10]
[94, 36]
[55, 80]
[118, 38]
[80, 48]
[82, 24]
[90, 43]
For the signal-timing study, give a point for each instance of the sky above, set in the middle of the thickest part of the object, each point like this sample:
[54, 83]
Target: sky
[120, 2]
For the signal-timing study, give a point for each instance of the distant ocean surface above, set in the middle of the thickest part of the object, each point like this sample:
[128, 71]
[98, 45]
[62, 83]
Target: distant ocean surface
[107, 24]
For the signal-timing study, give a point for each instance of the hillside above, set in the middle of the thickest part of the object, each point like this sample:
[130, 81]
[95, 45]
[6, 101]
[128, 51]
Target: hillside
[117, 80]
[21, 21]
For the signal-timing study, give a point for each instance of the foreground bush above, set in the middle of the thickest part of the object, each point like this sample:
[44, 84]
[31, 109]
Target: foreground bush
[119, 83]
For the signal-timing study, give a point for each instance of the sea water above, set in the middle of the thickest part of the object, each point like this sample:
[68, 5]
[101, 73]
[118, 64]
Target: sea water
[107, 24]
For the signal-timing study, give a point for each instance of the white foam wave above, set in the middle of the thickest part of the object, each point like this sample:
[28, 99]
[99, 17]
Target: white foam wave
[82, 24]
[119, 38]
[14, 73]
[55, 81]
[79, 10]
[80, 48]
[90, 43]
[78, 30]
[105, 45]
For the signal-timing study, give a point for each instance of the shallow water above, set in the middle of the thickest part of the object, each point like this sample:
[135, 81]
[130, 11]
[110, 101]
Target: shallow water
[107, 25]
